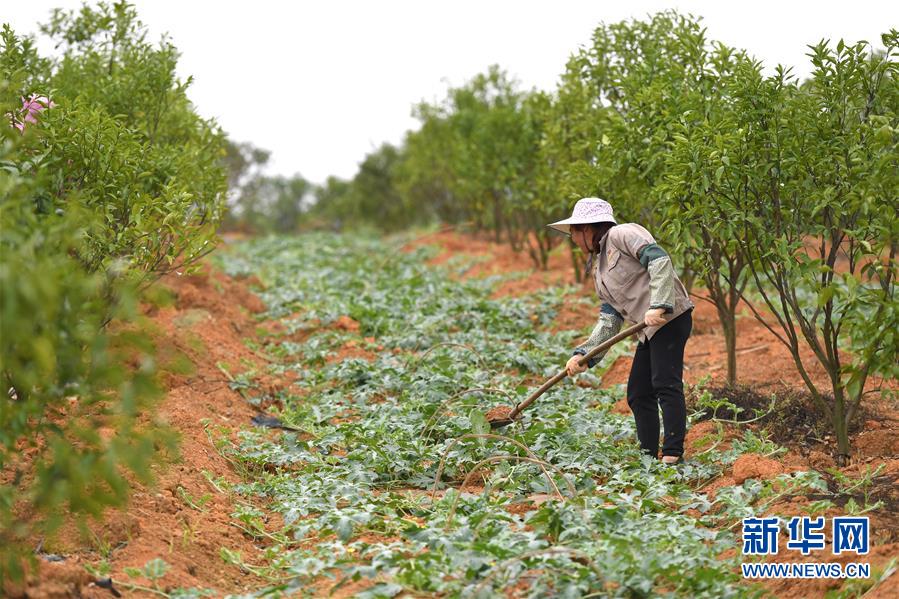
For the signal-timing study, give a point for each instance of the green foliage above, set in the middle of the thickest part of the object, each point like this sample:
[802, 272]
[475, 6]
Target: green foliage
[108, 179]
[259, 203]
[641, 77]
[371, 197]
[759, 186]
[72, 389]
[475, 159]
[121, 140]
[274, 203]
[22, 68]
[481, 144]
[154, 571]
[794, 185]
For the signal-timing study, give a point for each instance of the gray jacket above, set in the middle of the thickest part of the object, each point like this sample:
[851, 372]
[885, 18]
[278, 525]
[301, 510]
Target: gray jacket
[632, 274]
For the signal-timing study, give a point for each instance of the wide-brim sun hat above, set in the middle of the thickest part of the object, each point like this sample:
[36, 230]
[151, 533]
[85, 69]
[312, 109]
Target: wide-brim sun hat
[586, 211]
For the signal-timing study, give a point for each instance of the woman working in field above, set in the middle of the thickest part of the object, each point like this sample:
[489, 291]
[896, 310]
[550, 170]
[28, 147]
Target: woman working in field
[635, 280]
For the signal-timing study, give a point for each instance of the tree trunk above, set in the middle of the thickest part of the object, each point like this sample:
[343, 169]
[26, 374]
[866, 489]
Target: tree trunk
[546, 247]
[727, 318]
[535, 250]
[497, 219]
[688, 278]
[577, 268]
[729, 324]
[514, 236]
[841, 428]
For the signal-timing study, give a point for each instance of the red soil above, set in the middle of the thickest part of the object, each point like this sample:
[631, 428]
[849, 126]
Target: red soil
[804, 588]
[498, 413]
[702, 436]
[345, 323]
[755, 466]
[354, 349]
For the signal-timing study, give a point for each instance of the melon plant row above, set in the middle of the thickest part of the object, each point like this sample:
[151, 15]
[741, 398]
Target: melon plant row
[370, 482]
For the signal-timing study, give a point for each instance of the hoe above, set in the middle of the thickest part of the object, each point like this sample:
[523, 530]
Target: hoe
[503, 415]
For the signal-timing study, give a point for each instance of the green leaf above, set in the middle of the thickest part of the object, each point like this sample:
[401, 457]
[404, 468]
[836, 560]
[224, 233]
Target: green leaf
[155, 569]
[825, 294]
[380, 591]
[479, 423]
[344, 528]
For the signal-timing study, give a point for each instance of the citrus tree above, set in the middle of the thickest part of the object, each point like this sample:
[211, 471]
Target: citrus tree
[566, 167]
[804, 181]
[705, 168]
[122, 140]
[480, 145]
[426, 178]
[108, 179]
[72, 389]
[656, 91]
[645, 75]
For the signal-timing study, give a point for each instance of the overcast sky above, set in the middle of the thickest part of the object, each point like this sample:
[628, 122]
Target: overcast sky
[322, 83]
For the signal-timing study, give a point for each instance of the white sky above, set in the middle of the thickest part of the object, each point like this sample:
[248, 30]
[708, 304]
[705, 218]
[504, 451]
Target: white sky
[322, 83]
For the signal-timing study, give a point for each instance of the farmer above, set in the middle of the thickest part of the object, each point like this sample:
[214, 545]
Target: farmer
[635, 280]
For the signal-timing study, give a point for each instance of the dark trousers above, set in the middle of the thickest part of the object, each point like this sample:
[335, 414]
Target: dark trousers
[656, 380]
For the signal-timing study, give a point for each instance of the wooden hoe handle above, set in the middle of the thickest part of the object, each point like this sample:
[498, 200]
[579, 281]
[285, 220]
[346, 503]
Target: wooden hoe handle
[604, 346]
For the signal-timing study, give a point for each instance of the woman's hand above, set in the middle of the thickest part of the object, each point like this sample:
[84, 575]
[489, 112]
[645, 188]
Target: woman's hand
[573, 368]
[654, 317]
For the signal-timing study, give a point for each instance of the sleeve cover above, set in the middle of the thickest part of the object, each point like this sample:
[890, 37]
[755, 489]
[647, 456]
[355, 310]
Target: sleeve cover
[661, 276]
[607, 326]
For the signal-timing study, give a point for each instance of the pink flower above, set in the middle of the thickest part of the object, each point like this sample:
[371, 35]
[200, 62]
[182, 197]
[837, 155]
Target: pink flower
[30, 109]
[34, 105]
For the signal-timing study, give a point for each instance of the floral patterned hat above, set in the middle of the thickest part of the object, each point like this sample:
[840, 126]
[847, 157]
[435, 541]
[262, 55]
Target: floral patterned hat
[587, 210]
